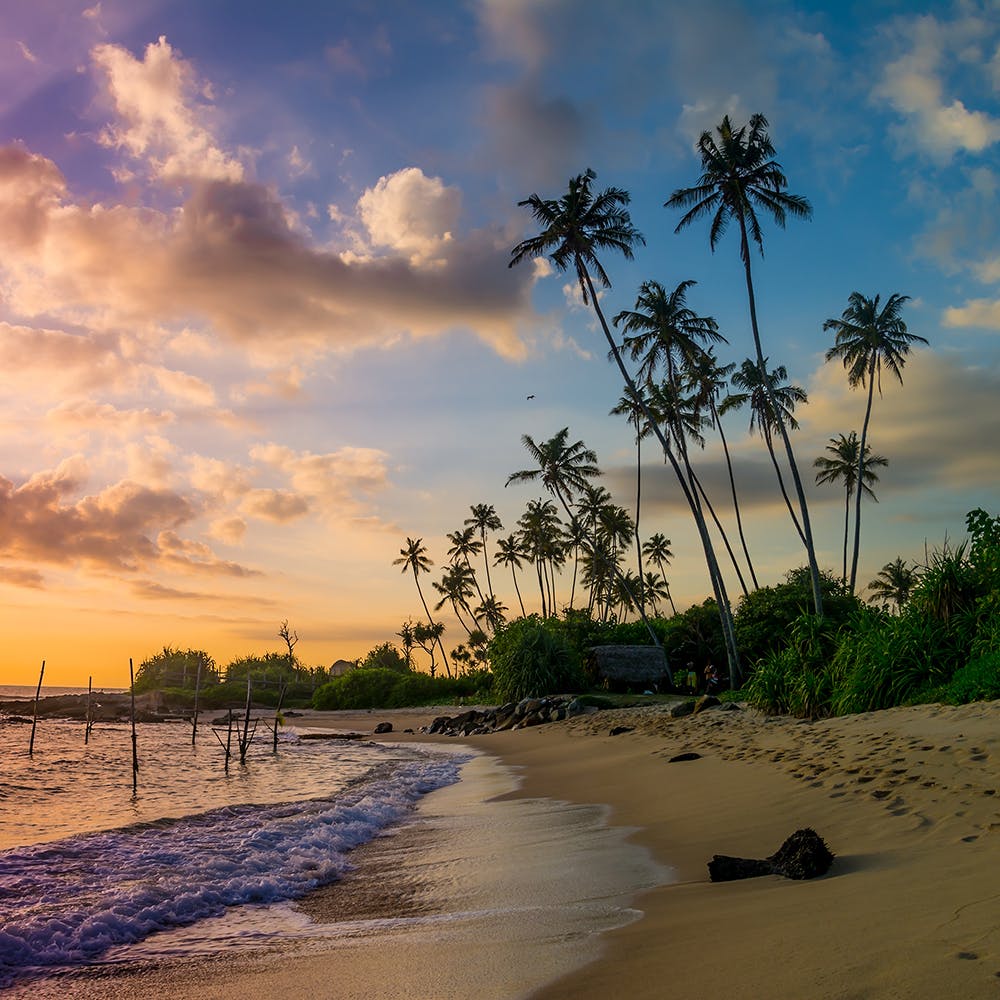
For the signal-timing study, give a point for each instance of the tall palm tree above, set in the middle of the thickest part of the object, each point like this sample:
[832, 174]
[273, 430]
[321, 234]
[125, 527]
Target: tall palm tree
[894, 582]
[867, 339]
[511, 552]
[464, 545]
[657, 550]
[485, 519]
[456, 587]
[739, 177]
[414, 558]
[539, 528]
[708, 378]
[843, 466]
[772, 404]
[630, 407]
[575, 228]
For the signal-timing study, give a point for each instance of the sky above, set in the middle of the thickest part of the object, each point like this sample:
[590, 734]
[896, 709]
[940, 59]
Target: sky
[257, 325]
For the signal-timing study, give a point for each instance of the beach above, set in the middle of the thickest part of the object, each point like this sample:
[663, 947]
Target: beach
[906, 799]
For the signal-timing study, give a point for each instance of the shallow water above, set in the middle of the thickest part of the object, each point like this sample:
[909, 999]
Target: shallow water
[88, 866]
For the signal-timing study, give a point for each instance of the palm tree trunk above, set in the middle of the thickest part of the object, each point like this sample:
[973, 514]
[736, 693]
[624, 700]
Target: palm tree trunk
[517, 590]
[736, 503]
[847, 525]
[781, 484]
[638, 498]
[722, 533]
[416, 580]
[722, 600]
[806, 530]
[861, 469]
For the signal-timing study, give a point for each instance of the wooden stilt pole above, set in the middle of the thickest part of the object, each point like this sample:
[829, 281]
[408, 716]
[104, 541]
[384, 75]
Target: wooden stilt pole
[197, 692]
[34, 713]
[135, 748]
[89, 724]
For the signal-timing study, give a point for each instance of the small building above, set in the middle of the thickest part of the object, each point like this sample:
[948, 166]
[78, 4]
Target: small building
[628, 666]
[341, 667]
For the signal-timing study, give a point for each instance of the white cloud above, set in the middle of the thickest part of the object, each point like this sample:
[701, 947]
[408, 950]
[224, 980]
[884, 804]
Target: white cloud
[412, 213]
[975, 312]
[161, 119]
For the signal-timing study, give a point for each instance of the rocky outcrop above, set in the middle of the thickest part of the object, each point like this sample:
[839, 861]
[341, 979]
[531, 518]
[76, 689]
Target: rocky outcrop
[513, 715]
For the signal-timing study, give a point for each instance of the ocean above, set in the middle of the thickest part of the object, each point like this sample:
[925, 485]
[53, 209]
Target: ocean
[202, 862]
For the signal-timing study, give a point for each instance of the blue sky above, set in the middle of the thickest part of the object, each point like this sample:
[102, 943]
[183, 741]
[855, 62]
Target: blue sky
[258, 325]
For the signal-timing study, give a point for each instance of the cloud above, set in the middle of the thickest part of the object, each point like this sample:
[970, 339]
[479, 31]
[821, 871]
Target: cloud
[28, 578]
[229, 258]
[975, 312]
[161, 106]
[113, 529]
[913, 84]
[412, 213]
[185, 554]
[280, 506]
[87, 414]
[231, 530]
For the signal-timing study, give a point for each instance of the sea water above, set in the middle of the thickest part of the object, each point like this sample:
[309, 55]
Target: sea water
[87, 866]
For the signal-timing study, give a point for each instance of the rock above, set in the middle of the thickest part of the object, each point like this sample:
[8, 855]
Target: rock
[382, 727]
[618, 730]
[803, 855]
[729, 706]
[689, 755]
[682, 708]
[706, 701]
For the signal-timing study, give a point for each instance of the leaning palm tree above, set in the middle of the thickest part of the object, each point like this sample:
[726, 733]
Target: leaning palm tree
[464, 545]
[739, 178]
[772, 404]
[485, 519]
[631, 408]
[893, 583]
[657, 550]
[456, 587]
[868, 339]
[414, 558]
[575, 229]
[843, 466]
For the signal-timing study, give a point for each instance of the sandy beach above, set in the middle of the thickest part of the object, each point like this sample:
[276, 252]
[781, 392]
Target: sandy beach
[907, 799]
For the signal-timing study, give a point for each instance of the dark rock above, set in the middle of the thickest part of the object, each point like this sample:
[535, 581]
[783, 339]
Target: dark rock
[729, 706]
[618, 730]
[382, 727]
[803, 855]
[681, 709]
[689, 755]
[706, 701]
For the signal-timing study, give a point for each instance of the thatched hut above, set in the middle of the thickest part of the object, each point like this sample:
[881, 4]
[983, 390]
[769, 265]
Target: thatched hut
[628, 666]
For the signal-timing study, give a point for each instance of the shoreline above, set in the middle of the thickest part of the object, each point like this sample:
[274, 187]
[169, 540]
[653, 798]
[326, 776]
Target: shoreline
[908, 799]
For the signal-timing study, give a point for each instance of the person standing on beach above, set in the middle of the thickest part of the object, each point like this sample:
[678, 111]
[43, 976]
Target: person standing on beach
[711, 678]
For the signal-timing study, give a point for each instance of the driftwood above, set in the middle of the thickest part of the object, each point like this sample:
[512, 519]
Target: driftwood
[803, 855]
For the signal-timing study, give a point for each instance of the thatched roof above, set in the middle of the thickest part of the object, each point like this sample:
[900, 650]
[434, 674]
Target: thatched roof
[629, 664]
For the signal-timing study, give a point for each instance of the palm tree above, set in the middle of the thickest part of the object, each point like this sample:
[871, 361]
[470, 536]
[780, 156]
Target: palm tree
[657, 549]
[456, 587]
[485, 518]
[656, 589]
[869, 338]
[415, 559]
[464, 545]
[539, 528]
[708, 378]
[894, 582]
[575, 228]
[772, 404]
[630, 407]
[843, 467]
[511, 552]
[739, 176]
[493, 611]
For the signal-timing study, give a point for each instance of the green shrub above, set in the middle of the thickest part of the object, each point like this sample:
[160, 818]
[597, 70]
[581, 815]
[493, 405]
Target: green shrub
[358, 688]
[976, 681]
[530, 658]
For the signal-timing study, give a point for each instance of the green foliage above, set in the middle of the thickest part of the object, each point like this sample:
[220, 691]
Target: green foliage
[267, 670]
[764, 617]
[385, 656]
[175, 668]
[381, 687]
[530, 657]
[978, 680]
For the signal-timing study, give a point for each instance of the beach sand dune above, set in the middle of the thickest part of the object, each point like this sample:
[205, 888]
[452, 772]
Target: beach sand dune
[908, 800]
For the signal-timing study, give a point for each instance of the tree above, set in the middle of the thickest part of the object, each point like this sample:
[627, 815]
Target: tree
[174, 668]
[414, 558]
[291, 639]
[739, 177]
[457, 586]
[485, 518]
[511, 552]
[772, 405]
[657, 550]
[867, 339]
[575, 228]
[843, 467]
[893, 583]
[464, 545]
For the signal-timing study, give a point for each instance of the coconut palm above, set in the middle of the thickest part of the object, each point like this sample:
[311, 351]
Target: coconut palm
[893, 583]
[708, 378]
[739, 178]
[414, 558]
[867, 339]
[575, 228]
[843, 466]
[657, 550]
[539, 529]
[772, 404]
[511, 552]
[493, 611]
[484, 519]
[464, 545]
[456, 586]
[656, 589]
